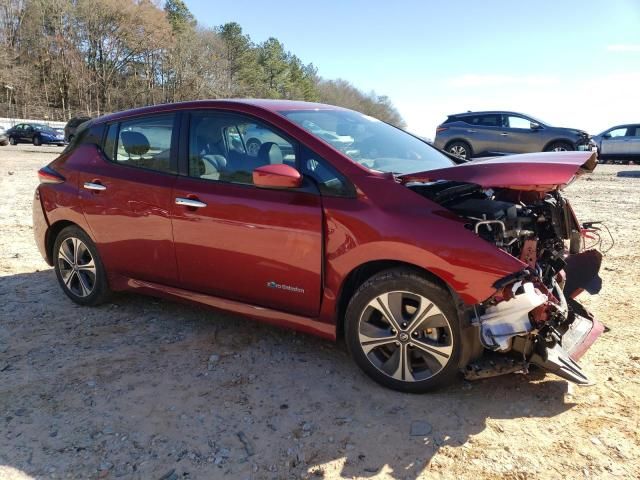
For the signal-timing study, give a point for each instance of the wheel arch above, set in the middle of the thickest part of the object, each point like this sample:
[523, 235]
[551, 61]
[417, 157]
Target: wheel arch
[559, 140]
[361, 273]
[52, 233]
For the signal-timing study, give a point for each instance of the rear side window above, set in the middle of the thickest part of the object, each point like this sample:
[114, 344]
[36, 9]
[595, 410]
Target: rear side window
[142, 142]
[90, 134]
[490, 120]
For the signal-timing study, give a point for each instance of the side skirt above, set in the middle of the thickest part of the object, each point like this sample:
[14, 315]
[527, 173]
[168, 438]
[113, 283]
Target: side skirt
[266, 315]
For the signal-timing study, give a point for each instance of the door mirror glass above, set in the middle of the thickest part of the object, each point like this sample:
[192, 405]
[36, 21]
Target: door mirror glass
[277, 176]
[535, 126]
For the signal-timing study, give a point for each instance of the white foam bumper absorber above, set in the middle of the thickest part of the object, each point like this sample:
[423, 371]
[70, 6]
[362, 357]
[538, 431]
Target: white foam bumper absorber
[501, 322]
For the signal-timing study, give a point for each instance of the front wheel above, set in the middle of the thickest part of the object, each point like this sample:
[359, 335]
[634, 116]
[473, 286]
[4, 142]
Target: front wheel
[79, 268]
[12, 141]
[559, 147]
[37, 141]
[403, 331]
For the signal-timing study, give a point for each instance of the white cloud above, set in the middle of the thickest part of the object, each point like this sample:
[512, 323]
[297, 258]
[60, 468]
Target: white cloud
[624, 47]
[474, 80]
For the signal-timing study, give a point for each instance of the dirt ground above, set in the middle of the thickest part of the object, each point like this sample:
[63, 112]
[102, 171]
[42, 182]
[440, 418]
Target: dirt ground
[147, 389]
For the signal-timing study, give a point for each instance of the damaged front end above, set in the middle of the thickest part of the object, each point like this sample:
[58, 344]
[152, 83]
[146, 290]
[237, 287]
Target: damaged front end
[533, 318]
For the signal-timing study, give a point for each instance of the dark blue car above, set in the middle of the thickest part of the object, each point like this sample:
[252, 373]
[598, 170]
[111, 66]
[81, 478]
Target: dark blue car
[36, 133]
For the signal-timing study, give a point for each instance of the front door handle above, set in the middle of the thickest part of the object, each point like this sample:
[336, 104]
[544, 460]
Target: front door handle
[471, 131]
[503, 134]
[94, 186]
[190, 202]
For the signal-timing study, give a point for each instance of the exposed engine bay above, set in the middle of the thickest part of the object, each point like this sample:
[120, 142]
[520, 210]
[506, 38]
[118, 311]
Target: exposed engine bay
[534, 317]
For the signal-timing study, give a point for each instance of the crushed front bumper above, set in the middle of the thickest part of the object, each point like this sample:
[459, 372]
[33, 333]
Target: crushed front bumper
[562, 358]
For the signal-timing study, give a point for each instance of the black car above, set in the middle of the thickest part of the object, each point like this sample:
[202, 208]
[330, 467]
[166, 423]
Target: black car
[72, 125]
[36, 133]
[476, 134]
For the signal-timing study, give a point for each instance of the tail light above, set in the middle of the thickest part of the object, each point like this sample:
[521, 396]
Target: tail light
[49, 175]
[441, 129]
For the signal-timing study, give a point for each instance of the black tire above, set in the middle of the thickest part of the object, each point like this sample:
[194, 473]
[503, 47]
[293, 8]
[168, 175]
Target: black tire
[37, 141]
[253, 145]
[460, 149]
[408, 286]
[12, 141]
[559, 147]
[4, 143]
[73, 288]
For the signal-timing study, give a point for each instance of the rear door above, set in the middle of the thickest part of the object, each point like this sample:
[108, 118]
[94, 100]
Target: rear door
[238, 241]
[614, 142]
[633, 146]
[484, 132]
[126, 192]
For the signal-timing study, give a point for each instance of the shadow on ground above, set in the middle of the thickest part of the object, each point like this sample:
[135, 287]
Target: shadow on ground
[140, 388]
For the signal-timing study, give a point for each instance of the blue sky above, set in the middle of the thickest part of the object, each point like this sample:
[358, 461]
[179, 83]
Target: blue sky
[571, 63]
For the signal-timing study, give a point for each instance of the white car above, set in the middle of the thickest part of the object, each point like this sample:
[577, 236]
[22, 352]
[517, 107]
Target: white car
[619, 143]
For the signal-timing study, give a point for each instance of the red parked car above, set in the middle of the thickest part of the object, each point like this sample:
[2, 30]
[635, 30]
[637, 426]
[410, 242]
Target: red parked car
[427, 268]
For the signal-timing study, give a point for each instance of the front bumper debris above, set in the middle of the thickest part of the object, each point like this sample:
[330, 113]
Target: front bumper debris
[561, 358]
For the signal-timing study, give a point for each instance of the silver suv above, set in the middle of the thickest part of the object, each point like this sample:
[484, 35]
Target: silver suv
[477, 134]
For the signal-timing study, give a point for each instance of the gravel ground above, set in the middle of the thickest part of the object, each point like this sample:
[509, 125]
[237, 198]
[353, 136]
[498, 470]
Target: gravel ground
[148, 389]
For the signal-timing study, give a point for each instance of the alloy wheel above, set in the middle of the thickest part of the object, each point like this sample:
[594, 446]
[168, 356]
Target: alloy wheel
[560, 148]
[405, 336]
[458, 151]
[77, 267]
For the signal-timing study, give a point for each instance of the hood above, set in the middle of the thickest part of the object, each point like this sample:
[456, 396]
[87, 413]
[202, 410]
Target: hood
[530, 171]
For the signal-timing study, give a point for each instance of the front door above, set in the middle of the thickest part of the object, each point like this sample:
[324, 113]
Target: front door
[238, 241]
[126, 190]
[518, 136]
[614, 142]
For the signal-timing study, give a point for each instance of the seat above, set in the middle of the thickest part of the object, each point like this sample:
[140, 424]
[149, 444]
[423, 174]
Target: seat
[269, 154]
[135, 143]
[211, 166]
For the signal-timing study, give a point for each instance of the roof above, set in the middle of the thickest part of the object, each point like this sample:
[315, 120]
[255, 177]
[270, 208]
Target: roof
[489, 112]
[264, 104]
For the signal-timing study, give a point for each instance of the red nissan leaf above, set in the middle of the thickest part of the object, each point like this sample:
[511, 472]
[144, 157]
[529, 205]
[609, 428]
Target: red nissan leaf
[324, 220]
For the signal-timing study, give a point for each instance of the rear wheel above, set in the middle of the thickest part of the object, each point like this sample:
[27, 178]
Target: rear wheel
[403, 331]
[559, 147]
[78, 267]
[460, 149]
[37, 141]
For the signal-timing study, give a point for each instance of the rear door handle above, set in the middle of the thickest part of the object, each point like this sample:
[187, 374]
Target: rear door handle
[471, 131]
[94, 186]
[503, 134]
[190, 202]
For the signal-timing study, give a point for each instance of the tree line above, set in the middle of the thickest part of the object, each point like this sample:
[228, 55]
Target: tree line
[61, 58]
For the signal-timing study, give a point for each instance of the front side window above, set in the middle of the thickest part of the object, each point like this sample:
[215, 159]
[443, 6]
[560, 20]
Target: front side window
[517, 122]
[370, 142]
[228, 147]
[618, 132]
[142, 142]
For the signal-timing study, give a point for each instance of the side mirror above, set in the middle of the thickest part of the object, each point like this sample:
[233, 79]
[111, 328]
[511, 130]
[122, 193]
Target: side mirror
[535, 126]
[277, 176]
[606, 135]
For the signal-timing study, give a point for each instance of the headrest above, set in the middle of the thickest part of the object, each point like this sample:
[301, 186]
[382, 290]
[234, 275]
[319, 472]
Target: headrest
[270, 154]
[134, 143]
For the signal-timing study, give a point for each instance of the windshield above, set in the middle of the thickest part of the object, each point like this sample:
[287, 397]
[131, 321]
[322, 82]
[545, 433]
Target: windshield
[370, 142]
